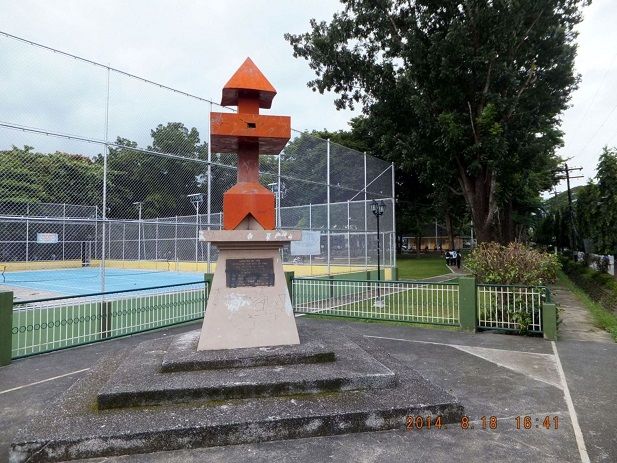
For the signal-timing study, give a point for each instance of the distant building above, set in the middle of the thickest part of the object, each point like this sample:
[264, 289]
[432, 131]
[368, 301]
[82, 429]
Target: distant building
[434, 238]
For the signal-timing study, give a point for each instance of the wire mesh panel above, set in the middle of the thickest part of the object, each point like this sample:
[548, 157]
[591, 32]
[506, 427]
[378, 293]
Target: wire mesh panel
[126, 176]
[55, 323]
[419, 302]
[510, 307]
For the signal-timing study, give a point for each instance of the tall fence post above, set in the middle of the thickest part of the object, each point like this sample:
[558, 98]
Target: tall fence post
[393, 251]
[348, 238]
[311, 229]
[27, 232]
[365, 220]
[176, 244]
[279, 197]
[467, 303]
[104, 202]
[209, 191]
[6, 325]
[328, 199]
[549, 321]
[63, 231]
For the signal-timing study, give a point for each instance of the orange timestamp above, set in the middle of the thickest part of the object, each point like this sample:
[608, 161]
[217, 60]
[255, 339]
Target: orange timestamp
[428, 422]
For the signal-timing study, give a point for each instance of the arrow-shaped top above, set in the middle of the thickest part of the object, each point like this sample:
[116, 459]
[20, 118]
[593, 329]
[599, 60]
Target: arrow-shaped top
[248, 82]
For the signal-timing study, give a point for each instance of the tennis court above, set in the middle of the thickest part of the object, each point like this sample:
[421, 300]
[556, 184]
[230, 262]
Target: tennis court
[87, 280]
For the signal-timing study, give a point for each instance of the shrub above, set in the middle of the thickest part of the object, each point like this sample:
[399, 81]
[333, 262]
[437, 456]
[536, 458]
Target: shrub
[601, 287]
[512, 264]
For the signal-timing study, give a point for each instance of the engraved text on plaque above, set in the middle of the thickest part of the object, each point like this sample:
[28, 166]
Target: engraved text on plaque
[249, 272]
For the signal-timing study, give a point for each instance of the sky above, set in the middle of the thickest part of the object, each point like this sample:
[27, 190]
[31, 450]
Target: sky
[196, 46]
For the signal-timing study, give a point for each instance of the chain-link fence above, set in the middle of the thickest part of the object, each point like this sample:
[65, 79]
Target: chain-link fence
[99, 167]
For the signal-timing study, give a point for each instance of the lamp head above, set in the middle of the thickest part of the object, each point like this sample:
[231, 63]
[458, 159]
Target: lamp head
[378, 208]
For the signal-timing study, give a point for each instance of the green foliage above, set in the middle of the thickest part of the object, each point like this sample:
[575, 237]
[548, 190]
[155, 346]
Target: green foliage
[523, 318]
[595, 212]
[605, 318]
[512, 264]
[466, 93]
[28, 177]
[160, 182]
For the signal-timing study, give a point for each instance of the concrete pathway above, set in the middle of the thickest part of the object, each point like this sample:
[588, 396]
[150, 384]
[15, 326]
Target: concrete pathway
[454, 273]
[492, 374]
[577, 324]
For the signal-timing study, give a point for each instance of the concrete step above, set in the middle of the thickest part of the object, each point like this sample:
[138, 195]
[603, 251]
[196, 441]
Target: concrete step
[182, 354]
[138, 380]
[74, 428]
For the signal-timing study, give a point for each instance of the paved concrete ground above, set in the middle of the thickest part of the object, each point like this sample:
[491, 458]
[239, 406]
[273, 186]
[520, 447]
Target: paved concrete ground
[493, 375]
[576, 321]
[454, 272]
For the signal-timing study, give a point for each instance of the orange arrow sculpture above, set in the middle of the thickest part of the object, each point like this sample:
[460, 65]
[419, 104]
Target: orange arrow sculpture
[248, 302]
[249, 134]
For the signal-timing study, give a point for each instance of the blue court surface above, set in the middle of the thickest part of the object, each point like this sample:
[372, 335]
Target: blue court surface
[77, 281]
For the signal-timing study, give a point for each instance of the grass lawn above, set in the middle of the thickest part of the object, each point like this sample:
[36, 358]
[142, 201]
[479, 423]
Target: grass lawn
[605, 319]
[412, 302]
[437, 304]
[419, 267]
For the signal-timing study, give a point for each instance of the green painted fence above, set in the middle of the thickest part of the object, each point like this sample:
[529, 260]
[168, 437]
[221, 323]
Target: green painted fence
[461, 303]
[49, 324]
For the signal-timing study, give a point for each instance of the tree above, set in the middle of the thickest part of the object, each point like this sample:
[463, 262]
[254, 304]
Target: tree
[470, 90]
[28, 177]
[606, 205]
[595, 212]
[161, 182]
[18, 179]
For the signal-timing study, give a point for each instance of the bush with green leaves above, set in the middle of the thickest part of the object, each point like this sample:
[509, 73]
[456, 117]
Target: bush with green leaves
[514, 264]
[601, 287]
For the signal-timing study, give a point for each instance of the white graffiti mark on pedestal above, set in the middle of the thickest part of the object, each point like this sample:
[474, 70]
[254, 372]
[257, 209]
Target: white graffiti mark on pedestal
[236, 301]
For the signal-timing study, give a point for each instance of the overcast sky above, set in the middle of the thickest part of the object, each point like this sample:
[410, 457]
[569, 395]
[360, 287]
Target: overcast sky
[196, 46]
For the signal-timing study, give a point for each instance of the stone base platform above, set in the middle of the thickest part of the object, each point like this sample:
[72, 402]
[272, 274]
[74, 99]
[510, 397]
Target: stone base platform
[182, 354]
[368, 391]
[139, 381]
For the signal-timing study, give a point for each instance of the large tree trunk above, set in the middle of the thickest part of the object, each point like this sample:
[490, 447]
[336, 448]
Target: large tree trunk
[479, 193]
[450, 230]
[506, 223]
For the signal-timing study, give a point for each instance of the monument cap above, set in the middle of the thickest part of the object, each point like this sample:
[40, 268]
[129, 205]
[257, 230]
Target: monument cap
[248, 82]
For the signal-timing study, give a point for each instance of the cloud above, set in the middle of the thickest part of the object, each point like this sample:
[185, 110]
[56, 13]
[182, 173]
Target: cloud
[196, 46]
[591, 121]
[192, 46]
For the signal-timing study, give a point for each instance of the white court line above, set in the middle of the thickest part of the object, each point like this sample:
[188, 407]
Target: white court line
[578, 434]
[43, 381]
[454, 345]
[580, 442]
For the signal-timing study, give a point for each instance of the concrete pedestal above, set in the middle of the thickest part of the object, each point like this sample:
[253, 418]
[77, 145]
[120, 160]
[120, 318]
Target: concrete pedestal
[334, 382]
[249, 304]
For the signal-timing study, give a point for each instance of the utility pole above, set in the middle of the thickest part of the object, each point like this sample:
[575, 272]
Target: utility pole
[565, 169]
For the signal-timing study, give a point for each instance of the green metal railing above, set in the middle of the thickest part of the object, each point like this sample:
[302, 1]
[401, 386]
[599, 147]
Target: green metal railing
[44, 325]
[511, 307]
[463, 303]
[409, 301]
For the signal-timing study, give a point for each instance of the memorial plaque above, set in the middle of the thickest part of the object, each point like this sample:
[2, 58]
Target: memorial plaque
[249, 272]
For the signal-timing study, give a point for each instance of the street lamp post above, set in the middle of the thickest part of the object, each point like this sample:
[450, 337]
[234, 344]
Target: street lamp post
[378, 209]
[274, 187]
[279, 193]
[196, 199]
[140, 205]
